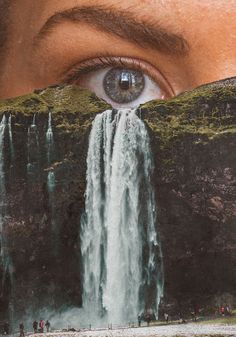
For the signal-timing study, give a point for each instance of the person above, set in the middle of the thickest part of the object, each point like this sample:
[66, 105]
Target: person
[181, 318]
[35, 326]
[227, 310]
[47, 325]
[167, 47]
[6, 328]
[195, 313]
[148, 319]
[139, 320]
[22, 332]
[222, 310]
[41, 325]
[166, 316]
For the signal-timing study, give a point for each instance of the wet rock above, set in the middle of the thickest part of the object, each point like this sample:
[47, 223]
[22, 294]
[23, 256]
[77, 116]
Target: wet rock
[194, 142]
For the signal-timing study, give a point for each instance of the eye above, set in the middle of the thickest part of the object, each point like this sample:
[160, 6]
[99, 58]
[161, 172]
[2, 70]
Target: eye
[122, 82]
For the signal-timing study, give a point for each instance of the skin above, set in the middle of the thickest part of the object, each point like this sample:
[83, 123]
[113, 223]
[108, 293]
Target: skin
[208, 27]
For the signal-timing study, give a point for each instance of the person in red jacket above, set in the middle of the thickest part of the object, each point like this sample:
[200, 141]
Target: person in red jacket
[41, 325]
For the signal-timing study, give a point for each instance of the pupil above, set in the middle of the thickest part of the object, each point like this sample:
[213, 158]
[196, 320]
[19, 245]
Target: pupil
[123, 85]
[125, 81]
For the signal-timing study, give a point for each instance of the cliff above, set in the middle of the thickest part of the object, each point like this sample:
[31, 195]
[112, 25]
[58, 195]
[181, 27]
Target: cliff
[193, 140]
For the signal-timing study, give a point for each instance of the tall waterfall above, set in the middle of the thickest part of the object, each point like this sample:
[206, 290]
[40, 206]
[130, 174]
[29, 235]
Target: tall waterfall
[2, 191]
[10, 138]
[5, 258]
[50, 150]
[49, 138]
[51, 183]
[119, 243]
[33, 147]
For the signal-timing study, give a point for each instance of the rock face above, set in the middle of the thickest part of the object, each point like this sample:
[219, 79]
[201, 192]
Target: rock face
[42, 226]
[193, 139]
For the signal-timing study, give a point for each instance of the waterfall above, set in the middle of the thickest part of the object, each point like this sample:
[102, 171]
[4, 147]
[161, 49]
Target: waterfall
[5, 258]
[51, 183]
[50, 150]
[120, 249]
[33, 147]
[49, 139]
[2, 191]
[10, 138]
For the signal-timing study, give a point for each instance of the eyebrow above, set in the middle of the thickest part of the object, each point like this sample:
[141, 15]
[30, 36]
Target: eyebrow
[121, 24]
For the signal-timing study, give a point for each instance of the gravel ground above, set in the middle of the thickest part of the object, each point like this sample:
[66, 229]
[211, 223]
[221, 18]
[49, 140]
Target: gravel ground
[189, 330]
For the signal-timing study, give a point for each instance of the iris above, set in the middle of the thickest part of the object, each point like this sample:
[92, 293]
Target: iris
[123, 85]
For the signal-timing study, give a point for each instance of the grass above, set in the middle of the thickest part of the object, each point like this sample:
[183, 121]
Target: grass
[222, 320]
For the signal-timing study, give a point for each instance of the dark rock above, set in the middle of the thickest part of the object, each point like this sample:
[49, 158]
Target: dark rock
[193, 140]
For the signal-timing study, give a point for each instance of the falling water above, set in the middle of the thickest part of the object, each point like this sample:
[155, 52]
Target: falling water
[10, 137]
[5, 258]
[50, 150]
[49, 138]
[2, 189]
[51, 183]
[119, 243]
[33, 147]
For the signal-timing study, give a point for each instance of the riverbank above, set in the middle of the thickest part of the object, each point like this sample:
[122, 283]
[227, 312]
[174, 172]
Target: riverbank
[215, 327]
[225, 320]
[189, 330]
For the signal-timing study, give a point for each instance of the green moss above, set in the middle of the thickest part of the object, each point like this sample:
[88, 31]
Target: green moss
[25, 105]
[73, 109]
[201, 112]
[74, 100]
[61, 98]
[188, 100]
[197, 112]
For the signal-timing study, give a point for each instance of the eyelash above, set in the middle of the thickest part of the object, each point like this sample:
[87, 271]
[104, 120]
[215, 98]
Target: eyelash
[101, 63]
[74, 74]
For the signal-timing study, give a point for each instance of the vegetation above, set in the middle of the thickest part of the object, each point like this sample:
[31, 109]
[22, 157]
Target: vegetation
[192, 112]
[204, 111]
[73, 109]
[223, 320]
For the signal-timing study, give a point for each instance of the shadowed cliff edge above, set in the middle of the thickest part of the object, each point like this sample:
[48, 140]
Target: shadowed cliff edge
[193, 140]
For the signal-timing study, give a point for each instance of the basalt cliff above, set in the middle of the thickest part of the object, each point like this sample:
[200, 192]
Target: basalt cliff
[193, 141]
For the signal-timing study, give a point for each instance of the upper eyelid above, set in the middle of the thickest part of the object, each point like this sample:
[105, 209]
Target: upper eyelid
[104, 61]
[79, 70]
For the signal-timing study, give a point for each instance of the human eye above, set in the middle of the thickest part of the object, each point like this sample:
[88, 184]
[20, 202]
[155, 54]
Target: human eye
[120, 81]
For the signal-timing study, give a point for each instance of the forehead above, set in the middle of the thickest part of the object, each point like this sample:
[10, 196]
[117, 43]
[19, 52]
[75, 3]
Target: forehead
[180, 16]
[152, 8]
[175, 14]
